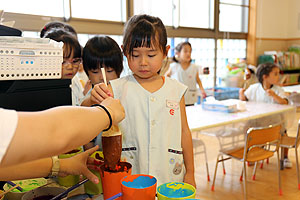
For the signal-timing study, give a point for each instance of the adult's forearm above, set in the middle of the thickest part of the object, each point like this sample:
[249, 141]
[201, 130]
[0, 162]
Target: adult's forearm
[52, 132]
[33, 169]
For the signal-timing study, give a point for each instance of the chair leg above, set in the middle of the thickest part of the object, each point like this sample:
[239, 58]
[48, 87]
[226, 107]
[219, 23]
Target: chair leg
[241, 177]
[254, 171]
[205, 155]
[262, 164]
[297, 168]
[213, 184]
[269, 147]
[223, 165]
[278, 171]
[245, 180]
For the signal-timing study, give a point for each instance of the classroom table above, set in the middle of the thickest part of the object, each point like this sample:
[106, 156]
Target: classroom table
[210, 121]
[222, 124]
[292, 88]
[294, 96]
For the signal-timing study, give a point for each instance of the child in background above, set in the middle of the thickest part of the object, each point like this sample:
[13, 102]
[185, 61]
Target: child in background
[100, 52]
[81, 75]
[156, 136]
[55, 25]
[249, 76]
[186, 73]
[267, 91]
[72, 60]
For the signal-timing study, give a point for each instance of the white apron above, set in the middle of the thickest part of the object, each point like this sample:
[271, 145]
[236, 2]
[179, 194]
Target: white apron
[152, 128]
[188, 78]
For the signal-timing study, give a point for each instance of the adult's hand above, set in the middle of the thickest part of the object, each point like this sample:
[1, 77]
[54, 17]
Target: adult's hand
[115, 108]
[77, 165]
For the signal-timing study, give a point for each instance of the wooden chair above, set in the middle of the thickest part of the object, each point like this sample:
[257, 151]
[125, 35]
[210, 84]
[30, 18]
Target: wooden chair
[254, 151]
[290, 143]
[199, 148]
[231, 140]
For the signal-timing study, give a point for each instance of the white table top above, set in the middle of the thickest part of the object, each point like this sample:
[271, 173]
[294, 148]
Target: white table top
[200, 120]
[292, 88]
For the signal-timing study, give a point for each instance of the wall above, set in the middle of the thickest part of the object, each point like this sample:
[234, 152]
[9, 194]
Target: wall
[277, 25]
[294, 19]
[272, 18]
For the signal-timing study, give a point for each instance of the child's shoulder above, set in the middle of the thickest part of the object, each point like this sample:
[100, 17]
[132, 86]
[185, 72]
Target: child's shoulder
[174, 83]
[174, 64]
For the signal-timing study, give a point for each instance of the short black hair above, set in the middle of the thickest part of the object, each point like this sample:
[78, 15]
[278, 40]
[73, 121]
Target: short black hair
[71, 44]
[179, 47]
[102, 51]
[57, 24]
[264, 69]
[143, 31]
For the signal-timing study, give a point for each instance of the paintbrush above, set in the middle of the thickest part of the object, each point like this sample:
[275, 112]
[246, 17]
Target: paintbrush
[103, 75]
[10, 189]
[63, 194]
[13, 184]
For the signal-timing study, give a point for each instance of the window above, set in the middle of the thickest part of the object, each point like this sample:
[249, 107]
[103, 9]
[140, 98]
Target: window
[230, 51]
[203, 55]
[160, 8]
[36, 7]
[32, 34]
[234, 15]
[195, 13]
[112, 10]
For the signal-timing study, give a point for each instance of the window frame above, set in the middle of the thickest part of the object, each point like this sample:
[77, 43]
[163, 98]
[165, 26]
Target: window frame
[28, 22]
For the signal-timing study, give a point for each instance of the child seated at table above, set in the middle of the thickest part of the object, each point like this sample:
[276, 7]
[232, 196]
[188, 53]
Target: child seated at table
[100, 52]
[267, 90]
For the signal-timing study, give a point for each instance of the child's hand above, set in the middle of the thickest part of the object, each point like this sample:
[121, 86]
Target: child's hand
[270, 92]
[242, 95]
[203, 93]
[115, 109]
[99, 93]
[190, 179]
[87, 87]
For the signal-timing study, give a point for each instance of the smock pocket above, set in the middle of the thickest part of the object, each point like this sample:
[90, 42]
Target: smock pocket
[176, 165]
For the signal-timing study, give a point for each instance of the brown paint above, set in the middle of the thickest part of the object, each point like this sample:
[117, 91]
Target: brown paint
[44, 197]
[112, 149]
[73, 151]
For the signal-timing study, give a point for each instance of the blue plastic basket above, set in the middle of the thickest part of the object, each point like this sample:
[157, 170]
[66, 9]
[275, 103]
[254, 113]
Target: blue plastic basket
[222, 93]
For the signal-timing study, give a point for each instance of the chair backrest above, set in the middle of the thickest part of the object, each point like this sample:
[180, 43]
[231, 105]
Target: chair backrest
[263, 135]
[231, 141]
[298, 135]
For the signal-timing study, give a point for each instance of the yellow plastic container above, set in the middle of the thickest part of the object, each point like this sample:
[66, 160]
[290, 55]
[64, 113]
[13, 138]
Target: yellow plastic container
[1, 198]
[69, 180]
[90, 187]
[27, 185]
[176, 190]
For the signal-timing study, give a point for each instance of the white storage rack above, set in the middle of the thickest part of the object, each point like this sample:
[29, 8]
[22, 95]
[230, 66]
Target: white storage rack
[24, 58]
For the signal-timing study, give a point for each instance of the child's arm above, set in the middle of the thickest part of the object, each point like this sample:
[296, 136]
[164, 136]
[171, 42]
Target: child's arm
[242, 95]
[277, 98]
[200, 85]
[187, 147]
